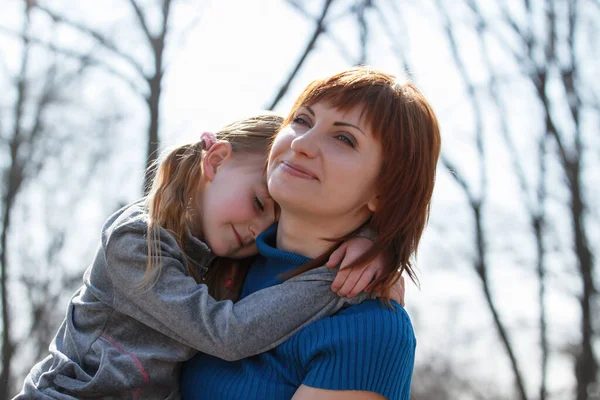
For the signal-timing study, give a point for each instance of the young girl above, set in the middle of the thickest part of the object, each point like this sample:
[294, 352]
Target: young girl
[144, 307]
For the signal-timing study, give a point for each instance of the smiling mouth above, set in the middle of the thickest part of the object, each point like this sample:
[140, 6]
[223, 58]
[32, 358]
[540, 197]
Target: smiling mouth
[297, 170]
[237, 237]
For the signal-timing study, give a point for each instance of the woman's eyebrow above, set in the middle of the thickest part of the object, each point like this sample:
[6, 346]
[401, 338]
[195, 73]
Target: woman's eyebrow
[310, 110]
[347, 124]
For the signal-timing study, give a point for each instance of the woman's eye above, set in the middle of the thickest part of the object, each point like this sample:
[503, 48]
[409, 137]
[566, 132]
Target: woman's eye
[346, 140]
[258, 204]
[301, 121]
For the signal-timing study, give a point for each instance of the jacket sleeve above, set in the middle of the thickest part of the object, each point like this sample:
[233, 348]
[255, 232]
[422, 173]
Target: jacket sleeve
[180, 308]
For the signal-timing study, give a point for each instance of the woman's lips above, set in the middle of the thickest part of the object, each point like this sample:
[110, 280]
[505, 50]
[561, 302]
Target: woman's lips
[297, 170]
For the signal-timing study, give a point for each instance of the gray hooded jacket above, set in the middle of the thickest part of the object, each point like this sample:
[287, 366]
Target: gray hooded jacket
[121, 342]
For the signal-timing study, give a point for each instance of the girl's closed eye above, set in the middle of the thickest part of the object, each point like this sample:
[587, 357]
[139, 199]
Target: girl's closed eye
[259, 205]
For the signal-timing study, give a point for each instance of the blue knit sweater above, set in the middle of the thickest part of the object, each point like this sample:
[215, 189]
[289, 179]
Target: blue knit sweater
[366, 347]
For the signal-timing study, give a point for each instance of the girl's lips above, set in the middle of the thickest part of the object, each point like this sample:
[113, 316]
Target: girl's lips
[296, 170]
[237, 237]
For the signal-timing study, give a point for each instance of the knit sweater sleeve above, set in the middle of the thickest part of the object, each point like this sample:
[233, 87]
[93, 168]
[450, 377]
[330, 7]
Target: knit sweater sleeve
[370, 351]
[180, 308]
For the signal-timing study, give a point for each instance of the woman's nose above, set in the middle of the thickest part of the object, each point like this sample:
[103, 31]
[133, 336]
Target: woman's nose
[306, 144]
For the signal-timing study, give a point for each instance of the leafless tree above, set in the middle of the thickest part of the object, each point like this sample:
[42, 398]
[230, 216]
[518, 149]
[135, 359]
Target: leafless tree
[145, 83]
[324, 24]
[477, 194]
[548, 40]
[551, 43]
[30, 142]
[15, 175]
[319, 29]
[475, 190]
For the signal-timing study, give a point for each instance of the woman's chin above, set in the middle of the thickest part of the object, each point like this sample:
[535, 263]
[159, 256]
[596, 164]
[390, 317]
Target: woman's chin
[288, 195]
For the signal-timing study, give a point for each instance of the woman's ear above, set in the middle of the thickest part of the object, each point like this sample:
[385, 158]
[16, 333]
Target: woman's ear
[218, 153]
[373, 204]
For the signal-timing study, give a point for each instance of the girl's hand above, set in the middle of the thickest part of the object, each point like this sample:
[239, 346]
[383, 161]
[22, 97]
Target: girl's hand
[350, 282]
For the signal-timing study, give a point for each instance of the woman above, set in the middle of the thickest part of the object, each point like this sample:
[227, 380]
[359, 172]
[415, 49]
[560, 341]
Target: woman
[358, 146]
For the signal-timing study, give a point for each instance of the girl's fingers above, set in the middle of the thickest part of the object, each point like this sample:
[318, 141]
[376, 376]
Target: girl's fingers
[361, 283]
[369, 287]
[340, 279]
[337, 256]
[351, 280]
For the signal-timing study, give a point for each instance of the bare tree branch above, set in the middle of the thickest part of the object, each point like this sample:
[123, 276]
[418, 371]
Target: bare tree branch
[14, 175]
[400, 46]
[141, 19]
[105, 42]
[85, 58]
[166, 10]
[471, 92]
[340, 45]
[360, 11]
[481, 261]
[320, 28]
[536, 212]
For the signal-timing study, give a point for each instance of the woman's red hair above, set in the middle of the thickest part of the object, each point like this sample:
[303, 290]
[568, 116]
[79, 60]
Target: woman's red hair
[406, 127]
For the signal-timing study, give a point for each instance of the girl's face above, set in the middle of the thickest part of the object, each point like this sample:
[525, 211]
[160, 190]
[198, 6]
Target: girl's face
[233, 200]
[325, 165]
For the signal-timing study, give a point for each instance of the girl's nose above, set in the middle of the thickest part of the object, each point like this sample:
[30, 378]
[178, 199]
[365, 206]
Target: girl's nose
[259, 226]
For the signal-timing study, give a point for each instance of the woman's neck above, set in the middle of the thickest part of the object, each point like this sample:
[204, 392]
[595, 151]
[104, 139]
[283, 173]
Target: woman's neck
[306, 237]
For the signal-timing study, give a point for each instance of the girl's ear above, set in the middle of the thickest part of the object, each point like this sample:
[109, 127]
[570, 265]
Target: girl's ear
[218, 153]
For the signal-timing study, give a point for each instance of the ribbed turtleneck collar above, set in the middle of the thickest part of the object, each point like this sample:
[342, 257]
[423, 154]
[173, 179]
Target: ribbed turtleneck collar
[265, 243]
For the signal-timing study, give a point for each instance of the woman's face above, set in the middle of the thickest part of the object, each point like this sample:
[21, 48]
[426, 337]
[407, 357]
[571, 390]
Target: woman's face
[325, 164]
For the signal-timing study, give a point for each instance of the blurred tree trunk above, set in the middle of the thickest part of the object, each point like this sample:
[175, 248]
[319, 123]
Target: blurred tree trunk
[14, 176]
[477, 196]
[533, 196]
[556, 56]
[33, 140]
[152, 90]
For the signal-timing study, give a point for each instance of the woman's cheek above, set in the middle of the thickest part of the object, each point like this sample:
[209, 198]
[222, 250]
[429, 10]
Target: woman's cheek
[283, 141]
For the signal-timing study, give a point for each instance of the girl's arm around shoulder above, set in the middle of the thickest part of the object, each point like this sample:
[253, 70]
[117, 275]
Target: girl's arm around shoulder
[178, 307]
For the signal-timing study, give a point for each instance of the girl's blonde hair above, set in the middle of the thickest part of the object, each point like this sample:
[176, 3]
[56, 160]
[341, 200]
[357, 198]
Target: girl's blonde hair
[178, 175]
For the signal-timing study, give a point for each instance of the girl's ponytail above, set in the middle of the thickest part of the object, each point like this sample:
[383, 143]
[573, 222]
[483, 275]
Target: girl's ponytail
[167, 202]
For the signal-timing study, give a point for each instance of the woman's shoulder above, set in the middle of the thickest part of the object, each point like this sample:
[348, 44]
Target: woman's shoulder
[373, 318]
[374, 309]
[367, 347]
[372, 322]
